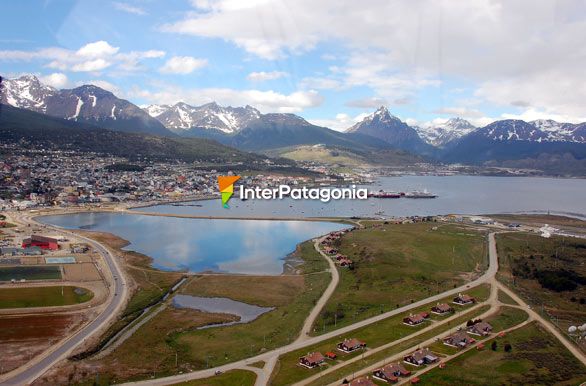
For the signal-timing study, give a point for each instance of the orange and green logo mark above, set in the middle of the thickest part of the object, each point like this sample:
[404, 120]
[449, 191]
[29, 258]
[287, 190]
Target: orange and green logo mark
[227, 188]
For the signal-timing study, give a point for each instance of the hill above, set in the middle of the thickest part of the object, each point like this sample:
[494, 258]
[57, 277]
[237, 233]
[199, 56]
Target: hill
[42, 131]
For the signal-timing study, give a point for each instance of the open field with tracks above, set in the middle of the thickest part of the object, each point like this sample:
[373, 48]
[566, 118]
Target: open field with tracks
[395, 265]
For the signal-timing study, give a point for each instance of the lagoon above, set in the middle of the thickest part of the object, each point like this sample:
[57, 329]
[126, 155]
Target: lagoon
[246, 312]
[197, 245]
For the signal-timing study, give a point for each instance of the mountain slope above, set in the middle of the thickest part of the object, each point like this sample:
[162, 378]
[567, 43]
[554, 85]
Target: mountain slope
[512, 140]
[272, 131]
[181, 117]
[385, 126]
[90, 104]
[441, 134]
[42, 131]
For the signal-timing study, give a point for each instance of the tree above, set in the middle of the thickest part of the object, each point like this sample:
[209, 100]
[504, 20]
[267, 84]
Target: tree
[508, 347]
[493, 346]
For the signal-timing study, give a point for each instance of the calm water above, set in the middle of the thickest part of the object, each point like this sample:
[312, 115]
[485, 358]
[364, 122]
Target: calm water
[457, 194]
[234, 246]
[247, 312]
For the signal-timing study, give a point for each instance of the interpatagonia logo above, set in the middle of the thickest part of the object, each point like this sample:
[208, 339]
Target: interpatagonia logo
[226, 184]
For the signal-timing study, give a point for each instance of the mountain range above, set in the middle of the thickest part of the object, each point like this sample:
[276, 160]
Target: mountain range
[86, 104]
[246, 128]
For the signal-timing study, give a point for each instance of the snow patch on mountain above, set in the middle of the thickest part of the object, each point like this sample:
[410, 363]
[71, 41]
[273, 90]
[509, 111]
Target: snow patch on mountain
[182, 116]
[439, 134]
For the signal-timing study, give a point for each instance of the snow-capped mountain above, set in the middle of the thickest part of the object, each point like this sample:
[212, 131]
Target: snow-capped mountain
[26, 92]
[556, 131]
[440, 134]
[87, 103]
[534, 131]
[181, 116]
[383, 125]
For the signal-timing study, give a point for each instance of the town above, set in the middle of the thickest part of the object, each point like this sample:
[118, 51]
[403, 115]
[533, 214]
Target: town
[40, 178]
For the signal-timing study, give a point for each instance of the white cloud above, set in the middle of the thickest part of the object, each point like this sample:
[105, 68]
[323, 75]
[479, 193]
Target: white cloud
[463, 112]
[265, 101]
[129, 8]
[91, 66]
[97, 49]
[262, 76]
[103, 84]
[341, 122]
[56, 79]
[533, 114]
[183, 65]
[368, 103]
[92, 57]
[398, 46]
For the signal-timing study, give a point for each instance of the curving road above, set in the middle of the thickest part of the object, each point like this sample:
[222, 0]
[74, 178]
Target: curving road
[310, 320]
[269, 356]
[37, 367]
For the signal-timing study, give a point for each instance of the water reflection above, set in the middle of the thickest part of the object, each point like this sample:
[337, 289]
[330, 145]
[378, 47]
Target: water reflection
[196, 245]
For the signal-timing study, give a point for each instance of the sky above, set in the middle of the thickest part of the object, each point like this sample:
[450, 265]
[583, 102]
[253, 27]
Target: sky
[330, 61]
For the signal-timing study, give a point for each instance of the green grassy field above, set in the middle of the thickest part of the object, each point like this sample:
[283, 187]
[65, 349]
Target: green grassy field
[313, 261]
[230, 378]
[374, 335]
[398, 264]
[506, 317]
[325, 156]
[154, 346]
[524, 258]
[506, 299]
[43, 296]
[48, 272]
[536, 358]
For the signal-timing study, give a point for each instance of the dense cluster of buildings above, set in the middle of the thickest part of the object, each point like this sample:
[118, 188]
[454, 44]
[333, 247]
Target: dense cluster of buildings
[45, 178]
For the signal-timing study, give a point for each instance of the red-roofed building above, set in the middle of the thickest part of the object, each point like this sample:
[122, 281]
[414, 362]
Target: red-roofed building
[350, 345]
[41, 242]
[312, 360]
[364, 381]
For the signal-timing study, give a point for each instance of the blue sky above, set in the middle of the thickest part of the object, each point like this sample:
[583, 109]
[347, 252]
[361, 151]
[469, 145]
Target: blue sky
[329, 61]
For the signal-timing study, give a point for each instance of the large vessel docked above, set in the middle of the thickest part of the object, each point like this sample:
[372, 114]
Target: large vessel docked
[384, 194]
[420, 194]
[412, 194]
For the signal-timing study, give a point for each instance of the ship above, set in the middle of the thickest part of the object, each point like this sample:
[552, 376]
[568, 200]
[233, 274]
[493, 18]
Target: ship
[420, 194]
[384, 194]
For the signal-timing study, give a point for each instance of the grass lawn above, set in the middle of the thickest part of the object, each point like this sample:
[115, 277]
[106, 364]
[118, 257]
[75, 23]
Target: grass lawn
[398, 264]
[374, 335]
[229, 378]
[506, 299]
[43, 296]
[50, 272]
[536, 358]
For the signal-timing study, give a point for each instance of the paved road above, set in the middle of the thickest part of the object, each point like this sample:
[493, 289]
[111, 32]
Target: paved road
[36, 368]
